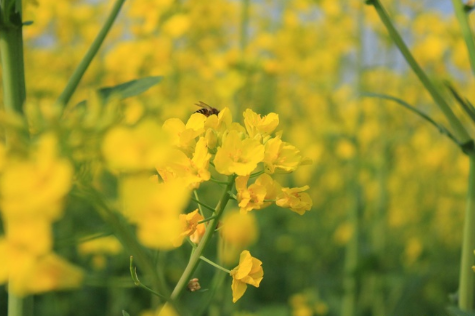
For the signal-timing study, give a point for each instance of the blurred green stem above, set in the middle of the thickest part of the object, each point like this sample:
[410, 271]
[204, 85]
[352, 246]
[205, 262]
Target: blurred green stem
[11, 50]
[73, 82]
[459, 131]
[14, 92]
[466, 280]
[462, 17]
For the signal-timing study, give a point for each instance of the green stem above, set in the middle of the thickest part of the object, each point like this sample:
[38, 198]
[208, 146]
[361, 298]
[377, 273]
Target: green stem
[217, 266]
[201, 204]
[11, 48]
[15, 305]
[73, 82]
[195, 258]
[14, 92]
[466, 280]
[459, 131]
[462, 17]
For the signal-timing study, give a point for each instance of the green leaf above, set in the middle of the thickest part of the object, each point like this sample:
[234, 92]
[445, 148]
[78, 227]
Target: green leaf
[441, 128]
[124, 313]
[464, 103]
[130, 88]
[126, 89]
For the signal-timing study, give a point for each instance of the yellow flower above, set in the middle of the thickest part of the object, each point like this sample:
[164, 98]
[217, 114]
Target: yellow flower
[183, 136]
[281, 156]
[295, 199]
[192, 171]
[249, 271]
[239, 156]
[251, 197]
[238, 231]
[35, 188]
[105, 245]
[198, 233]
[134, 149]
[189, 224]
[28, 273]
[50, 272]
[257, 125]
[155, 208]
[254, 196]
[177, 25]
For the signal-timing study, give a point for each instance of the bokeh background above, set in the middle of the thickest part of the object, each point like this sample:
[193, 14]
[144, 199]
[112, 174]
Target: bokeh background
[388, 189]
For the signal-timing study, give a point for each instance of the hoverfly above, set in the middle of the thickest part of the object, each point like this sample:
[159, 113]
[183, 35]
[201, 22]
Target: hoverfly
[206, 110]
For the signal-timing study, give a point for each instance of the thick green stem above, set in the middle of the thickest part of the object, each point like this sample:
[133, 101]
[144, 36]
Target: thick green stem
[210, 229]
[466, 280]
[462, 17]
[73, 82]
[459, 131]
[13, 76]
[13, 73]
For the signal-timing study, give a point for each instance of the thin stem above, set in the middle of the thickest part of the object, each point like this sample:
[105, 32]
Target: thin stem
[73, 82]
[462, 17]
[207, 219]
[217, 181]
[202, 204]
[466, 280]
[197, 200]
[195, 258]
[459, 131]
[135, 278]
[217, 266]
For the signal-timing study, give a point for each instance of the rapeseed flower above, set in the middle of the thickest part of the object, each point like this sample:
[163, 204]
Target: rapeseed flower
[281, 156]
[137, 148]
[295, 199]
[249, 271]
[155, 208]
[238, 154]
[255, 124]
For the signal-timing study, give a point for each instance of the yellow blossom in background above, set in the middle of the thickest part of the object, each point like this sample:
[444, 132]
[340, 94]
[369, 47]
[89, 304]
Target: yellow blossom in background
[295, 199]
[237, 155]
[238, 231]
[2, 156]
[249, 271]
[191, 171]
[107, 245]
[35, 188]
[47, 273]
[155, 208]
[255, 124]
[177, 25]
[28, 273]
[138, 148]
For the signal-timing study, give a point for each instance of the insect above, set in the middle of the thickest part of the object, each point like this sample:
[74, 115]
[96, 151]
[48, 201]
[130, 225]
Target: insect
[206, 110]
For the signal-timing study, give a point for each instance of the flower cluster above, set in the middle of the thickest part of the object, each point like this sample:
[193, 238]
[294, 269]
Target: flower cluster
[234, 149]
[32, 192]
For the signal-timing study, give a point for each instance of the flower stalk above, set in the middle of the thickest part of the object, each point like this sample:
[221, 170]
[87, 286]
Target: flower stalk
[466, 277]
[76, 77]
[195, 258]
